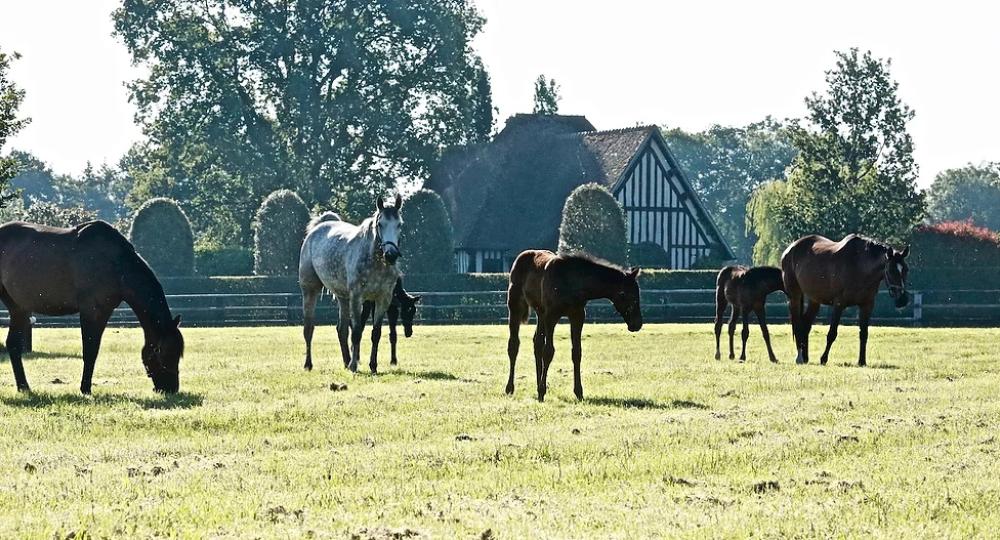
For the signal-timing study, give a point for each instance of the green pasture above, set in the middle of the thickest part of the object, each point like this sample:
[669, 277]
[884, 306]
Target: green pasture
[667, 443]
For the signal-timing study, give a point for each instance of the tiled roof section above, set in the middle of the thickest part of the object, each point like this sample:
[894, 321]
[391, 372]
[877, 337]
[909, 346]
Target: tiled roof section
[615, 149]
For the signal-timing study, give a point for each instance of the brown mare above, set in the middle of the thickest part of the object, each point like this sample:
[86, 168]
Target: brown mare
[839, 274]
[561, 285]
[89, 269]
[746, 289]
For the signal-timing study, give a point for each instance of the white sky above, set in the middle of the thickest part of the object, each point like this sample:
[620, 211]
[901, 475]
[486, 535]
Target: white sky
[686, 64]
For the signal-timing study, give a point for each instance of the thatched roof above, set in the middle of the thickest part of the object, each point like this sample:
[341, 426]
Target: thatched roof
[508, 194]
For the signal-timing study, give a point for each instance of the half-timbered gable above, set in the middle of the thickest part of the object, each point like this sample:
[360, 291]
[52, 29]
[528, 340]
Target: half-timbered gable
[507, 195]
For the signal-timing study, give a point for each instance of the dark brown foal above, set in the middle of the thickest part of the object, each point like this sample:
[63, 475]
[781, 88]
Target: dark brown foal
[746, 289]
[561, 285]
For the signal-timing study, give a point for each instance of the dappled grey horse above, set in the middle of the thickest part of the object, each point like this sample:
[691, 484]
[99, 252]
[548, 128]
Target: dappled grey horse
[357, 263]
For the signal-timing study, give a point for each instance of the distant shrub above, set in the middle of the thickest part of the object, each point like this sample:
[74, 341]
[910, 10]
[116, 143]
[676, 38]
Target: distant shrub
[53, 215]
[426, 240]
[162, 235]
[214, 260]
[593, 222]
[955, 243]
[279, 227]
[648, 255]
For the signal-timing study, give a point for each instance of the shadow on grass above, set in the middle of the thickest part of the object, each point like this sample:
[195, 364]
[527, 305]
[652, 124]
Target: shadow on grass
[432, 375]
[4, 358]
[180, 400]
[642, 403]
[870, 366]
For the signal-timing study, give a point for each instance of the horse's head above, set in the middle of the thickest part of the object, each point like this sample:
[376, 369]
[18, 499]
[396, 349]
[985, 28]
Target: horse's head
[896, 271]
[387, 230]
[162, 357]
[407, 310]
[626, 300]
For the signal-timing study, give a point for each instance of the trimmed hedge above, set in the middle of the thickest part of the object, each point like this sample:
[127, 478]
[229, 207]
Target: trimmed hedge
[427, 237]
[648, 279]
[279, 228]
[594, 223]
[223, 261]
[954, 255]
[161, 234]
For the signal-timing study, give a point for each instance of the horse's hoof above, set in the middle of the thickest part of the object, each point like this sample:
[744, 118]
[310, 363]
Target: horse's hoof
[392, 362]
[743, 360]
[24, 389]
[579, 395]
[509, 390]
[718, 356]
[732, 357]
[308, 367]
[774, 360]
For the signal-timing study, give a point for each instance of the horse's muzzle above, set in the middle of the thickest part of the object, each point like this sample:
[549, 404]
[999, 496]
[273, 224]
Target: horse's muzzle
[634, 326]
[391, 254]
[408, 331]
[902, 299]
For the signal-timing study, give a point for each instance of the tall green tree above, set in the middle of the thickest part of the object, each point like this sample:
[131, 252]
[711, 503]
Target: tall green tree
[594, 223]
[726, 164]
[336, 100]
[854, 172]
[546, 96]
[970, 192]
[10, 100]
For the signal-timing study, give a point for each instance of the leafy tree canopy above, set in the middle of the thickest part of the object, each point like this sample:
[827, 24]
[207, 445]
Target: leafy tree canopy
[336, 100]
[970, 192]
[546, 96]
[854, 172]
[726, 164]
[10, 99]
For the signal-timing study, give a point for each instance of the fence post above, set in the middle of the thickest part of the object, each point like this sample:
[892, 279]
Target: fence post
[291, 314]
[918, 307]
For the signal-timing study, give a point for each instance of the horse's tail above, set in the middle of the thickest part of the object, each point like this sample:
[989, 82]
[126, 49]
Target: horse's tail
[325, 216]
[720, 291]
[516, 303]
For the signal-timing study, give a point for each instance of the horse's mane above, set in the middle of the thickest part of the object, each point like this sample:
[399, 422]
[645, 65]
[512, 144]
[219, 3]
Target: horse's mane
[579, 257]
[871, 243]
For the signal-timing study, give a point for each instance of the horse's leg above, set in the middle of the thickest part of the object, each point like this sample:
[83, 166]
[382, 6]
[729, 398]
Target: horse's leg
[576, 319]
[378, 312]
[548, 352]
[864, 317]
[745, 313]
[795, 314]
[808, 318]
[93, 321]
[19, 322]
[838, 310]
[514, 316]
[720, 312]
[357, 328]
[310, 296]
[539, 343]
[762, 320]
[392, 317]
[344, 330]
[732, 329]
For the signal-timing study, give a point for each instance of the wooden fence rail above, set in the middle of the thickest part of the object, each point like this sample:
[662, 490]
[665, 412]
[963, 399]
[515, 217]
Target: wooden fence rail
[939, 307]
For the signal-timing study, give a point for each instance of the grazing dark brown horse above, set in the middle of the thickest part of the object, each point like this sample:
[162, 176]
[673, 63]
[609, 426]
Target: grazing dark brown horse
[89, 269]
[561, 285]
[403, 308]
[839, 274]
[746, 289]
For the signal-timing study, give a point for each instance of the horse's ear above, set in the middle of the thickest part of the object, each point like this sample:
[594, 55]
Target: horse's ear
[379, 203]
[417, 297]
[633, 272]
[906, 252]
[177, 321]
[399, 200]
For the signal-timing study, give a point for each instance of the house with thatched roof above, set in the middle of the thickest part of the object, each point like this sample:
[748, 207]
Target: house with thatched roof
[507, 195]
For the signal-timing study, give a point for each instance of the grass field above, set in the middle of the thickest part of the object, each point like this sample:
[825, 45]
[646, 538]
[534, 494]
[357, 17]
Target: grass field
[668, 442]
